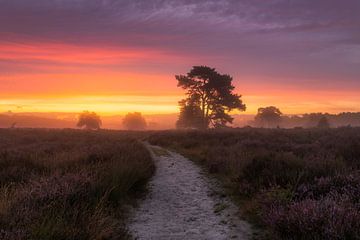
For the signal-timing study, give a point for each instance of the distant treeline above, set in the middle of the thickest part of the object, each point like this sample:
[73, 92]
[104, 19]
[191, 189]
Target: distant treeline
[310, 120]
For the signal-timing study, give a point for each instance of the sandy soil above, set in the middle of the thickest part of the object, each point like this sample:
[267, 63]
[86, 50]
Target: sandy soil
[183, 203]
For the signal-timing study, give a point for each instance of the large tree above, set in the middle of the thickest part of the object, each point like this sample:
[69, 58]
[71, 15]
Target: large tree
[268, 117]
[210, 95]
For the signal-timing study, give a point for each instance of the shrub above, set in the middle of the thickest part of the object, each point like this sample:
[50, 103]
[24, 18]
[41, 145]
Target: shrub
[327, 218]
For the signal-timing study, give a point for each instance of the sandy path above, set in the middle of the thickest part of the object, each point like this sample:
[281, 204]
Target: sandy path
[182, 204]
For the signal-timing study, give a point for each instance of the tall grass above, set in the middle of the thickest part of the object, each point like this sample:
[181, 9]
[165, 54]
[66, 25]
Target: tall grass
[67, 184]
[295, 184]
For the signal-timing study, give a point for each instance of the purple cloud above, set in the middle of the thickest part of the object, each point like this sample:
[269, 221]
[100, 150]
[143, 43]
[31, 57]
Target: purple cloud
[297, 42]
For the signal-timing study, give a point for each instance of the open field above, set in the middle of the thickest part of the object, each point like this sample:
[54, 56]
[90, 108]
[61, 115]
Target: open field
[71, 184]
[294, 184]
[68, 184]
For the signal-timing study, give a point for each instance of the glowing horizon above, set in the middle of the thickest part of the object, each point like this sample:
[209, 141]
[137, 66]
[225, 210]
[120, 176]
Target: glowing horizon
[71, 61]
[167, 104]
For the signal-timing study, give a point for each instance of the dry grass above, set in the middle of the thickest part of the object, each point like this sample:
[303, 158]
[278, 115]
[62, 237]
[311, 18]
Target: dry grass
[160, 152]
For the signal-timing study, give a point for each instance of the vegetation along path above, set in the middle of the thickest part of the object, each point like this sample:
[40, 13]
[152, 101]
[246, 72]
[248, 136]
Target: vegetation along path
[183, 203]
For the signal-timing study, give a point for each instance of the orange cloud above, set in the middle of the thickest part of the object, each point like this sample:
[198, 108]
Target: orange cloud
[66, 53]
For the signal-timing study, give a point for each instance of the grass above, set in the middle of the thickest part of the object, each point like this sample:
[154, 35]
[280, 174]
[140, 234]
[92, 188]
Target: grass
[293, 184]
[69, 184]
[160, 152]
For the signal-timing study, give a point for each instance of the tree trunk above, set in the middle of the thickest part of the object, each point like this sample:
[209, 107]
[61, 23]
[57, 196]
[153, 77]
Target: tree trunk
[204, 118]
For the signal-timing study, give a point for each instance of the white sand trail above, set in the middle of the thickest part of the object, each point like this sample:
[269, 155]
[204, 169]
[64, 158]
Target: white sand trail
[182, 204]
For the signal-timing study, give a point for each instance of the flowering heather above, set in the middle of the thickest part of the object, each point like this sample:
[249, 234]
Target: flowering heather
[294, 183]
[67, 184]
[327, 218]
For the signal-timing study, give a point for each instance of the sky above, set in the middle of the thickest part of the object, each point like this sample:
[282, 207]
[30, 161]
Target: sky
[118, 56]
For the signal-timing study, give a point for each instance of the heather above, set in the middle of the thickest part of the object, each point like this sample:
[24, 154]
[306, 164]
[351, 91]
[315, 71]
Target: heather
[292, 183]
[68, 184]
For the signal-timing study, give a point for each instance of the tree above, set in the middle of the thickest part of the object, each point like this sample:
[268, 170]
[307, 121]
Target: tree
[190, 116]
[134, 121]
[210, 97]
[268, 117]
[323, 123]
[89, 120]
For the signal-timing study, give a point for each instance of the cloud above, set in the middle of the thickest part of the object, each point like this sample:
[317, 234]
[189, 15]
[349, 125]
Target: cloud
[295, 41]
[128, 20]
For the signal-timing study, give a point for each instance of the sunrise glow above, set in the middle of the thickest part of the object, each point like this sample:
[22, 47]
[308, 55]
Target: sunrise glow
[127, 62]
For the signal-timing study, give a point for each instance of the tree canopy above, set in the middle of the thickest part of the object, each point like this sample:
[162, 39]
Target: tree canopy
[134, 121]
[268, 117]
[209, 100]
[89, 120]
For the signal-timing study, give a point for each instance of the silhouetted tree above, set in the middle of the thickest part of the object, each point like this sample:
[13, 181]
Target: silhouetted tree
[311, 120]
[89, 120]
[268, 117]
[210, 94]
[323, 123]
[190, 115]
[134, 121]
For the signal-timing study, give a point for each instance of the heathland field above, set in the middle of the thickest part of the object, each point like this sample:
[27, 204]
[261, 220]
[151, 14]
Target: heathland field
[68, 184]
[73, 184]
[294, 184]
